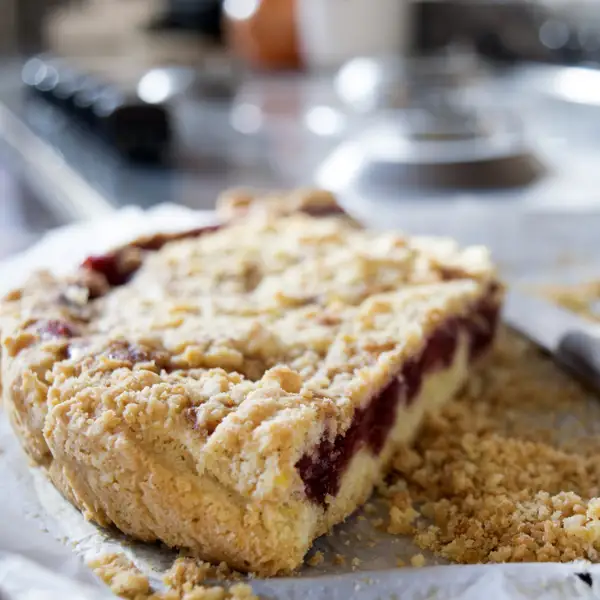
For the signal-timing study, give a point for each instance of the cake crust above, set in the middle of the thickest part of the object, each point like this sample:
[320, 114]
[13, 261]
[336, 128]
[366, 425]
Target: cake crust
[189, 390]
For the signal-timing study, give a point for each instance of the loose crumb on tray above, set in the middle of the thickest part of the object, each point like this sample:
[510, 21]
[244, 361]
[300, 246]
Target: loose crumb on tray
[183, 579]
[122, 577]
[339, 560]
[186, 571]
[316, 559]
[417, 560]
[401, 520]
[492, 473]
[581, 298]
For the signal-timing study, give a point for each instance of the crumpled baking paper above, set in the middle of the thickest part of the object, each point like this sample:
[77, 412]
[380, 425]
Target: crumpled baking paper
[44, 541]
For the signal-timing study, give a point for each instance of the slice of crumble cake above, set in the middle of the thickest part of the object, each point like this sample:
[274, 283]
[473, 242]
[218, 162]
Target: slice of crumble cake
[239, 390]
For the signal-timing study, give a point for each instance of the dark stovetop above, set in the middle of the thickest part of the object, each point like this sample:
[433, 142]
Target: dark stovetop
[82, 177]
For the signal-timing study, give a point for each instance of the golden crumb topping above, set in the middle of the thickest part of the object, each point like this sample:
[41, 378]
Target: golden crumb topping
[234, 351]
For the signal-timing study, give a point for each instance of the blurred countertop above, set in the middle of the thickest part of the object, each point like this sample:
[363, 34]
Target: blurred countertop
[52, 171]
[77, 178]
[24, 217]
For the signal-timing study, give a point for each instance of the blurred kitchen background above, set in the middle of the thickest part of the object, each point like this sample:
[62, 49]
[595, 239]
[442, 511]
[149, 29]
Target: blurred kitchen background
[480, 119]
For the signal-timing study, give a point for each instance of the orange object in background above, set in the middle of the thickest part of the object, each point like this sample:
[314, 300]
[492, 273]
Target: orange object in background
[263, 32]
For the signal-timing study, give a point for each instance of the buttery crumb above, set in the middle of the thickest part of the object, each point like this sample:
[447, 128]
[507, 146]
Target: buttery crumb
[339, 560]
[185, 573]
[316, 559]
[370, 509]
[241, 591]
[122, 577]
[126, 581]
[400, 563]
[418, 560]
[581, 298]
[401, 520]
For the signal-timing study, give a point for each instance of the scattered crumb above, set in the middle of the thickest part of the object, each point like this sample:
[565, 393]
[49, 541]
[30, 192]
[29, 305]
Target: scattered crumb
[238, 591]
[493, 473]
[187, 569]
[400, 563]
[316, 559]
[377, 523]
[127, 581]
[122, 577]
[418, 560]
[401, 520]
[361, 518]
[356, 562]
[241, 591]
[370, 508]
[339, 560]
[582, 298]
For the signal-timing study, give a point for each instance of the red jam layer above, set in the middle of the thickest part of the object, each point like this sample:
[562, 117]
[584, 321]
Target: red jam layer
[323, 211]
[322, 470]
[55, 328]
[118, 271]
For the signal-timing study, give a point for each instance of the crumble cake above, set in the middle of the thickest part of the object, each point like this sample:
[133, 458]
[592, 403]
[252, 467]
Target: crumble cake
[239, 390]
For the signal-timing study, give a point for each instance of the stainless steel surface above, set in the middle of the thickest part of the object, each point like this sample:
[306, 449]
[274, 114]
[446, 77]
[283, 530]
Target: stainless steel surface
[580, 353]
[578, 86]
[573, 341]
[542, 321]
[561, 137]
[428, 153]
[209, 156]
[23, 217]
[62, 188]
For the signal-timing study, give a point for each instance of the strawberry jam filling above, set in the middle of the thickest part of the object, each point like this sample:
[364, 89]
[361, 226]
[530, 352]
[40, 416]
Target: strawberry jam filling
[322, 469]
[117, 269]
[55, 328]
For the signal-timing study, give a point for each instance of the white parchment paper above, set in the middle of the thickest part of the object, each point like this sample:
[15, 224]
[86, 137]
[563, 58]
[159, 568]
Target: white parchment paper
[44, 541]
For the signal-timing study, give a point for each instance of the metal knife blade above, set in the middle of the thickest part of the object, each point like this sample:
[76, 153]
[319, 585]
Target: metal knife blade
[573, 341]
